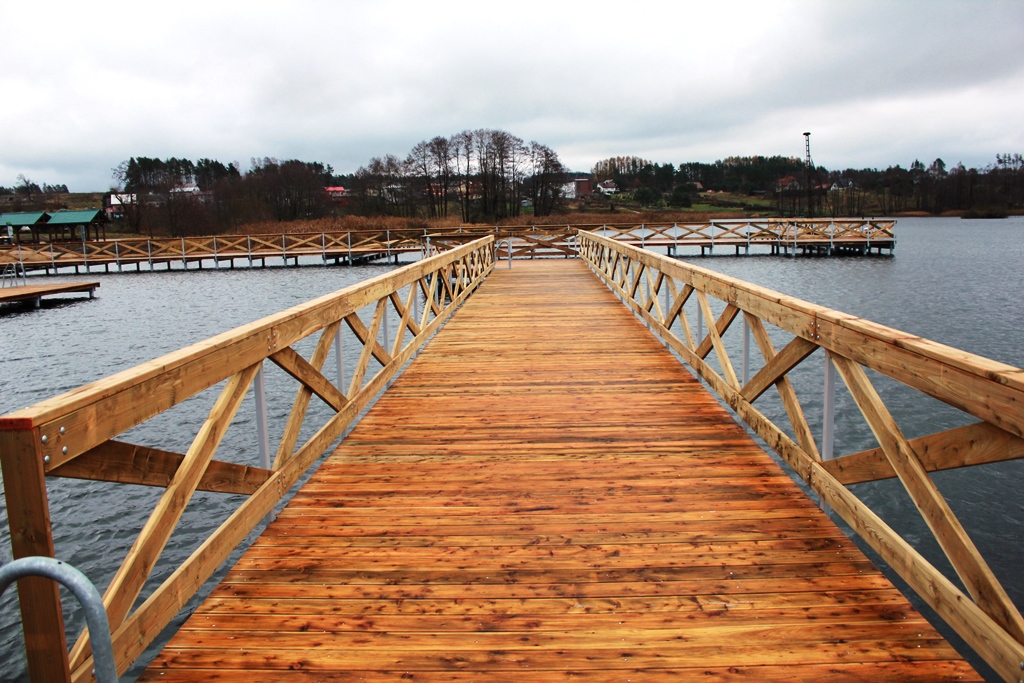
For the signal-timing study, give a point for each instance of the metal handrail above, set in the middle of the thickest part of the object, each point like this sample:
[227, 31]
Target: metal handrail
[11, 271]
[508, 244]
[88, 597]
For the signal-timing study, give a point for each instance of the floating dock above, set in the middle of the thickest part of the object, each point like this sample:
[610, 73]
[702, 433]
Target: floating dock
[36, 293]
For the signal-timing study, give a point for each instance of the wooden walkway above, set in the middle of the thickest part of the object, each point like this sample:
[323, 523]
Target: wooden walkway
[37, 292]
[546, 494]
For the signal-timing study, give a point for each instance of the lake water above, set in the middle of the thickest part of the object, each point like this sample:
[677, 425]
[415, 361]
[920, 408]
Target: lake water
[953, 281]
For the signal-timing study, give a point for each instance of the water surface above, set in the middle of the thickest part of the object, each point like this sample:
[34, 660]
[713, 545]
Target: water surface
[953, 281]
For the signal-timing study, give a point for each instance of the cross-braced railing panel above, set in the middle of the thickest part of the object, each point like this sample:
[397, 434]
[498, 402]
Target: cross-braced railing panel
[746, 232]
[285, 245]
[693, 309]
[81, 435]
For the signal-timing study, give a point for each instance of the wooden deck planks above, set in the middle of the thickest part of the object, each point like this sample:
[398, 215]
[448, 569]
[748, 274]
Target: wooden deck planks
[546, 494]
[30, 292]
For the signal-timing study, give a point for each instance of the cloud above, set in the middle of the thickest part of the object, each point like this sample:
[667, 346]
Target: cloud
[877, 83]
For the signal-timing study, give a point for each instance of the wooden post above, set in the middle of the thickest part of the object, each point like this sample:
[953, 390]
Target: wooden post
[28, 513]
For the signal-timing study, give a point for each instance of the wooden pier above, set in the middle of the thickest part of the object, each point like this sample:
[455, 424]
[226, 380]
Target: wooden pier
[545, 493]
[133, 254]
[774, 236]
[518, 507]
[35, 293]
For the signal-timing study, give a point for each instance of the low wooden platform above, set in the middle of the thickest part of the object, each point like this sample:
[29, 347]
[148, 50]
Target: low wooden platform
[36, 292]
[546, 494]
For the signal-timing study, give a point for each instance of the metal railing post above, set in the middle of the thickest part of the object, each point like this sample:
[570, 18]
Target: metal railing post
[262, 432]
[339, 358]
[248, 248]
[216, 261]
[259, 386]
[664, 296]
[828, 423]
[746, 351]
[829, 419]
[415, 302]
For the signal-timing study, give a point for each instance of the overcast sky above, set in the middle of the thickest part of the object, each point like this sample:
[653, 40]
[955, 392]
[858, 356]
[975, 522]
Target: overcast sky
[86, 85]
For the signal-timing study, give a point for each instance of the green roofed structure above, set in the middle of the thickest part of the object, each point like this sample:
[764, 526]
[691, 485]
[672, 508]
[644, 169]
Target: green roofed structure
[12, 225]
[77, 221]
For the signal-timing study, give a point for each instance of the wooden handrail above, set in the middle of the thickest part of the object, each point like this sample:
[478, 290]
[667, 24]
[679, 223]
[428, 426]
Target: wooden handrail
[74, 435]
[528, 240]
[139, 249]
[987, 390]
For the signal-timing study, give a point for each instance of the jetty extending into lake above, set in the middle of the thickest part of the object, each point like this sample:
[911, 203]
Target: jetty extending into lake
[545, 492]
[774, 236]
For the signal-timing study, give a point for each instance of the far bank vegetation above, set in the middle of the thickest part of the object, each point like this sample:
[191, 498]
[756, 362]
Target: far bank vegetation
[492, 177]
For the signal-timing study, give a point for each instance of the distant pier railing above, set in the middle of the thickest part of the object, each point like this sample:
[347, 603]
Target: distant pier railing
[350, 247]
[77, 435]
[778, 236]
[773, 235]
[695, 312]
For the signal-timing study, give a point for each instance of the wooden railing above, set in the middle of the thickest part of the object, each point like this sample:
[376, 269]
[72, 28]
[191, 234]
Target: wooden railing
[76, 435]
[516, 242]
[675, 300]
[121, 252]
[821, 235]
[528, 241]
[787, 232]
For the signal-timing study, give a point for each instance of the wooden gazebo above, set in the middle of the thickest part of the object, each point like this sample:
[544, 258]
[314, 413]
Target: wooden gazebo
[75, 222]
[12, 224]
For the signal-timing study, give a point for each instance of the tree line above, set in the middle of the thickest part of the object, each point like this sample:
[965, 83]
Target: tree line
[487, 175]
[481, 176]
[181, 197]
[799, 190]
[28, 189]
